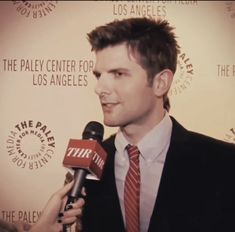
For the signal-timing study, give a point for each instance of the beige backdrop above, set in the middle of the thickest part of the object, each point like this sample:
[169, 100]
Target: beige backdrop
[46, 85]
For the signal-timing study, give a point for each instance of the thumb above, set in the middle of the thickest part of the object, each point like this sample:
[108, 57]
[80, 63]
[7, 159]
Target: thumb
[65, 189]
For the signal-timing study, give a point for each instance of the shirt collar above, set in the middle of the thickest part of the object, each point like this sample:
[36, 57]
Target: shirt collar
[153, 144]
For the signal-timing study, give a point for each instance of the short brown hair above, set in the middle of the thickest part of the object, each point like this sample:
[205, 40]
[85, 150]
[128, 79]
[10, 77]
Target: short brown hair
[153, 40]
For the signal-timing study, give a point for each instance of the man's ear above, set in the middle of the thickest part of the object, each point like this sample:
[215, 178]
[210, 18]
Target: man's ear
[162, 82]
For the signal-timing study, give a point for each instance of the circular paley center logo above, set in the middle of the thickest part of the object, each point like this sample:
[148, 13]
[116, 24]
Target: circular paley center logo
[30, 145]
[183, 76]
[35, 9]
[230, 136]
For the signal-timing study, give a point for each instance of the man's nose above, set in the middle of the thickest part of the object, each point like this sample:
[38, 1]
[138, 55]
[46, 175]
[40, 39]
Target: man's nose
[102, 85]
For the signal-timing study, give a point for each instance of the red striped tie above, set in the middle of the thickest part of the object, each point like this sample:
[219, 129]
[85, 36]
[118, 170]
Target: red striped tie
[132, 191]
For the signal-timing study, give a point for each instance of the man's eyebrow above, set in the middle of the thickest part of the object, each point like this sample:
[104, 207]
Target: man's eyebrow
[114, 70]
[118, 70]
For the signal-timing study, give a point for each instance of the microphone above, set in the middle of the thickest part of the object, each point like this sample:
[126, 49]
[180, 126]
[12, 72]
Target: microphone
[85, 156]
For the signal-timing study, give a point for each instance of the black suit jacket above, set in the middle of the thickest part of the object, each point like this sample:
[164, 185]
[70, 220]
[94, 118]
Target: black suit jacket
[196, 192]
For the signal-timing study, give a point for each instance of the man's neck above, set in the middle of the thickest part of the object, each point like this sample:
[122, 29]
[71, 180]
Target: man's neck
[135, 132]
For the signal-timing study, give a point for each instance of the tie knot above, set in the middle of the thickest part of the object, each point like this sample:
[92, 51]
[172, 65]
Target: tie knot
[132, 151]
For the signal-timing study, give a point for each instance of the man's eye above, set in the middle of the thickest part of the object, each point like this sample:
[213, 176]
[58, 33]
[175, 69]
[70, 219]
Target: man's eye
[97, 75]
[118, 74]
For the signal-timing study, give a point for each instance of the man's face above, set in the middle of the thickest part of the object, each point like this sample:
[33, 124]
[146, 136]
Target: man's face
[122, 86]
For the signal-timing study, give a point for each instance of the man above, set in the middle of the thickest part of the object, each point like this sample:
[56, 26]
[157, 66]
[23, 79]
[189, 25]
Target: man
[186, 180]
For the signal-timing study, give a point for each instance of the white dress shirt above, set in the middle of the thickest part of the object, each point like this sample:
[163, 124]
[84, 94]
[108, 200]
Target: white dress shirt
[153, 148]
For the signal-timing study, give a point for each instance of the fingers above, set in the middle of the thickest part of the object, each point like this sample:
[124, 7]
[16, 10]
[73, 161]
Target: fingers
[70, 217]
[73, 213]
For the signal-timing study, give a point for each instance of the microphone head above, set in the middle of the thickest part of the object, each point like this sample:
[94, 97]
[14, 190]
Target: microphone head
[87, 153]
[93, 130]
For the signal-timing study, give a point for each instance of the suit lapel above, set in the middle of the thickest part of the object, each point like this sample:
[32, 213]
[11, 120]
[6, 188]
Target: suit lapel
[170, 181]
[109, 180]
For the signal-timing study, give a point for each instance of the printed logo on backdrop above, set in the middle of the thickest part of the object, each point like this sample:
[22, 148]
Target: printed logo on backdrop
[52, 72]
[230, 136]
[226, 71]
[30, 145]
[152, 9]
[183, 76]
[35, 9]
[13, 216]
[230, 7]
[140, 8]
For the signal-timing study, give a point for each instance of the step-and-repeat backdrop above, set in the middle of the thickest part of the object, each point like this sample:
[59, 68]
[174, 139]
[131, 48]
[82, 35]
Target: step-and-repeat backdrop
[47, 86]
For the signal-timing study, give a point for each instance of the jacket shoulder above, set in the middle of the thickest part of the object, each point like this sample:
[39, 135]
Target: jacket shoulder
[198, 142]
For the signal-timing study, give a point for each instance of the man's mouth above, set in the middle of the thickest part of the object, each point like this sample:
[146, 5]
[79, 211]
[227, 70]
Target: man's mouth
[107, 106]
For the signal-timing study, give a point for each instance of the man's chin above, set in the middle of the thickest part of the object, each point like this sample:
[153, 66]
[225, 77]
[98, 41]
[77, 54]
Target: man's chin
[110, 123]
